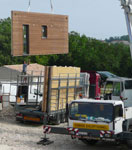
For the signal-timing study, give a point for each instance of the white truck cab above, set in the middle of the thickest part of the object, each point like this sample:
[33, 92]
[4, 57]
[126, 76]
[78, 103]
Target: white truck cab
[92, 120]
[97, 115]
[119, 89]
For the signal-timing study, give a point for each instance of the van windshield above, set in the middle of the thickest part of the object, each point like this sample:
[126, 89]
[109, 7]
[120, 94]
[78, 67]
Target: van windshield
[91, 111]
[128, 84]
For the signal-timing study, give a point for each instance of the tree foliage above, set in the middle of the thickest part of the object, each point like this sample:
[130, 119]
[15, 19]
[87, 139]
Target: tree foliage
[92, 54]
[117, 38]
[84, 52]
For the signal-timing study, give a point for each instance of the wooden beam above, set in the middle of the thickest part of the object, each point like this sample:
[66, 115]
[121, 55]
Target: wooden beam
[45, 89]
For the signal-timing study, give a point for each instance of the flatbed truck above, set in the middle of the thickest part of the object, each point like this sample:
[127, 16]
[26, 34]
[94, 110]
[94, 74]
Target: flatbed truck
[58, 92]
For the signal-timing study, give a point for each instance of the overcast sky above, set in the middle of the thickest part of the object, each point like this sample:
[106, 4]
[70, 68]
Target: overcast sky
[95, 18]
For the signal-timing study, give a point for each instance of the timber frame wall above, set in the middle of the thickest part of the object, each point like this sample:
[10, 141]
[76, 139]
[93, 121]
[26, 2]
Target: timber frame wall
[56, 41]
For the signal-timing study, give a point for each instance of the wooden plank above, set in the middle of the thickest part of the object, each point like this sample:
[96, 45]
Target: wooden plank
[45, 92]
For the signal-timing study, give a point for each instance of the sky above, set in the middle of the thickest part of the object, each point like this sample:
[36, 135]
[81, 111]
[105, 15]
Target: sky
[98, 19]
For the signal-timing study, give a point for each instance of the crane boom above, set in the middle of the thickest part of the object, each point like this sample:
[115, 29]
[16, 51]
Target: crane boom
[127, 6]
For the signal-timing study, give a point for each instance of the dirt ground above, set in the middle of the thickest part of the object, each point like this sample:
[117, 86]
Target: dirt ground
[19, 136]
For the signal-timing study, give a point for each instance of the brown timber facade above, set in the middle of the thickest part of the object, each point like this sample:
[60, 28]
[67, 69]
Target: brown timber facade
[39, 34]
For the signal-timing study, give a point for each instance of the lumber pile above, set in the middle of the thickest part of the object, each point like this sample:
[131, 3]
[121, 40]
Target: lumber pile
[64, 85]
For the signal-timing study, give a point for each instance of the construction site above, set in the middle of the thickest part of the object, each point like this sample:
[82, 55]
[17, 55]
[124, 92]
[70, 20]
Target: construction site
[21, 118]
[60, 107]
[23, 103]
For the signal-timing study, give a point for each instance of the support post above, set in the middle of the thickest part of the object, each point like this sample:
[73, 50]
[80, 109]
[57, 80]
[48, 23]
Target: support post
[45, 89]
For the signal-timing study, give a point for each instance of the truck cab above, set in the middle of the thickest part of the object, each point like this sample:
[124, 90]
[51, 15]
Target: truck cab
[95, 116]
[119, 89]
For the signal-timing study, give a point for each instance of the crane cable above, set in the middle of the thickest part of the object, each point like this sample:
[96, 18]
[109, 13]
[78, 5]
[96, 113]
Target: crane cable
[51, 5]
[29, 5]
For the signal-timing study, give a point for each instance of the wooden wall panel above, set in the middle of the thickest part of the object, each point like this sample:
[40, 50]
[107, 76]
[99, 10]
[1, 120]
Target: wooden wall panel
[57, 33]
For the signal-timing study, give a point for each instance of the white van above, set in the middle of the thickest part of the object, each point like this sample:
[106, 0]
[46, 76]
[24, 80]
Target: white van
[10, 90]
[30, 93]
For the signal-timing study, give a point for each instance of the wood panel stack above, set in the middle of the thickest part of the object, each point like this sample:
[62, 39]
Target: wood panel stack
[63, 89]
[56, 41]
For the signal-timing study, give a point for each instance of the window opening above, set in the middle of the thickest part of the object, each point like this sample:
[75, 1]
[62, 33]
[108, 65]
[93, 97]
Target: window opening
[92, 111]
[44, 31]
[128, 84]
[117, 111]
[25, 39]
[108, 88]
[116, 90]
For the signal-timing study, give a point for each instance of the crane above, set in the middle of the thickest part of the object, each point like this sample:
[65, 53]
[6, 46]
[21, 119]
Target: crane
[127, 6]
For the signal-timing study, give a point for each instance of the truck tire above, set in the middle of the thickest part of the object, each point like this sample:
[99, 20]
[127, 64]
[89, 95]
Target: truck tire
[129, 142]
[40, 106]
[89, 142]
[58, 120]
[63, 118]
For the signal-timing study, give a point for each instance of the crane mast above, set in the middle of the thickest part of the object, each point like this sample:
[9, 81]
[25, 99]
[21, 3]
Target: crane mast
[127, 6]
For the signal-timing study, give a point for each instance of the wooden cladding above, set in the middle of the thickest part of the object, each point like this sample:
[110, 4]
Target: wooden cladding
[39, 34]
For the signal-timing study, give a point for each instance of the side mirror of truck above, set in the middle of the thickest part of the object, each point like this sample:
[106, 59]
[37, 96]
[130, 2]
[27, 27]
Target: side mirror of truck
[35, 92]
[40, 94]
[122, 98]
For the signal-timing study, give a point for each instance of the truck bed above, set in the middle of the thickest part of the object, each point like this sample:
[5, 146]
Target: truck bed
[29, 113]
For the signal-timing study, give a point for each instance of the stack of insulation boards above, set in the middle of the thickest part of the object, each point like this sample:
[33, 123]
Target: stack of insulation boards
[64, 85]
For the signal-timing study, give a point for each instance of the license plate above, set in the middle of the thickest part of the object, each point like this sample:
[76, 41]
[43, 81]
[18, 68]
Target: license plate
[31, 119]
[86, 137]
[91, 126]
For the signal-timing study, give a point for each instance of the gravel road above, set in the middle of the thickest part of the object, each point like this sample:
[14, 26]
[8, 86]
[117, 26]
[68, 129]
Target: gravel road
[18, 136]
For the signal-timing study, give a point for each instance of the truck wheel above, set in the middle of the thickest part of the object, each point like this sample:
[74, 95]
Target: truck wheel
[57, 121]
[40, 106]
[89, 142]
[63, 119]
[129, 142]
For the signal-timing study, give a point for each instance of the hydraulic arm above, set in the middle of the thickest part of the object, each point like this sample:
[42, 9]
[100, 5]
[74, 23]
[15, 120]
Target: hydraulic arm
[127, 6]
